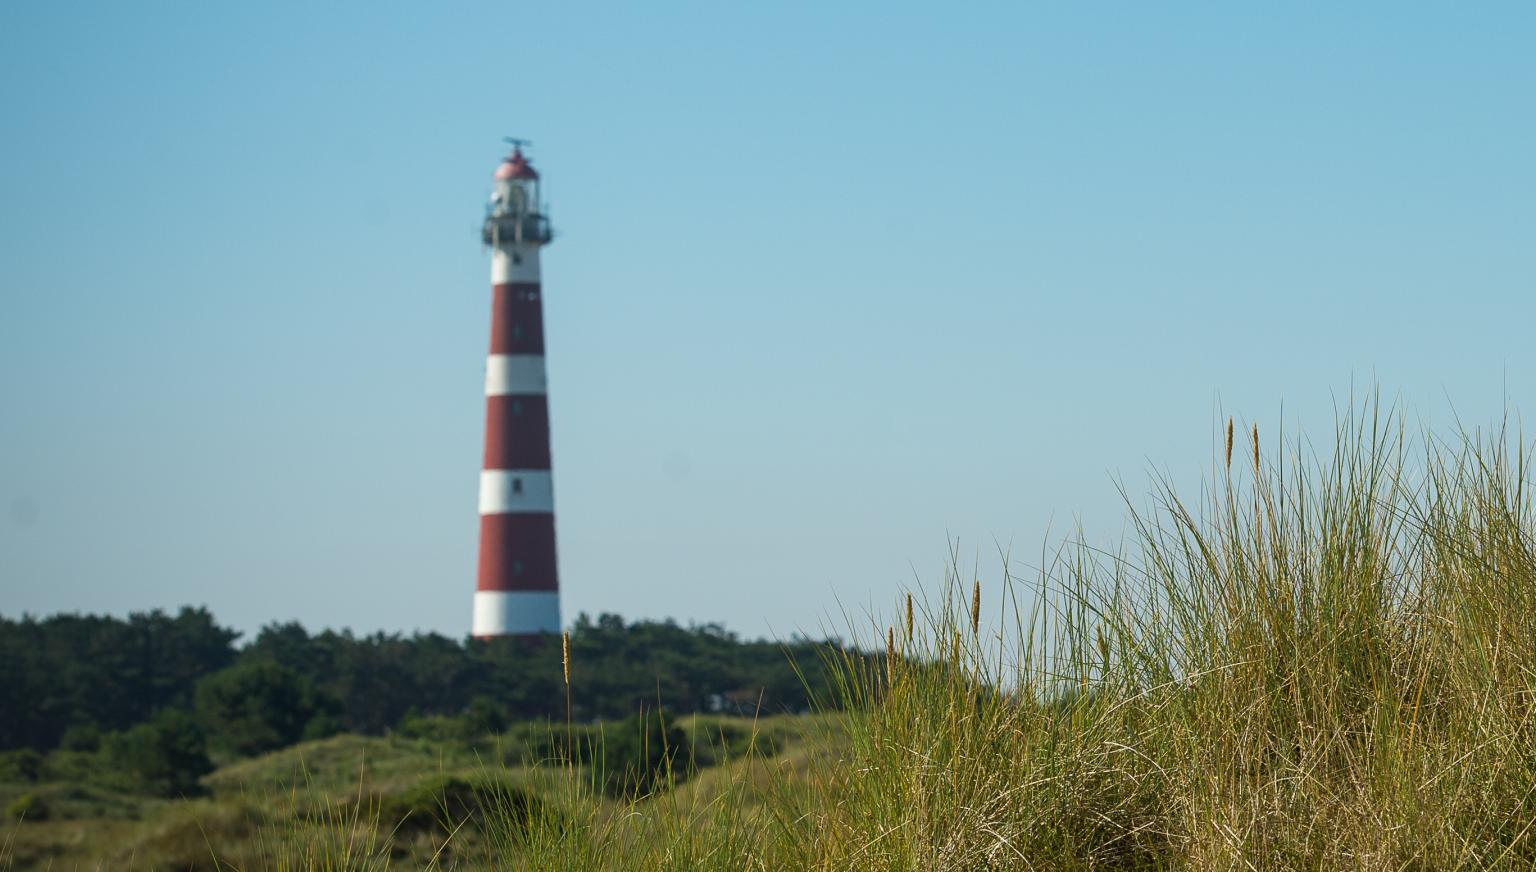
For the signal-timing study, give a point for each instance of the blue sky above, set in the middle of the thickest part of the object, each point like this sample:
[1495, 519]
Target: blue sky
[837, 284]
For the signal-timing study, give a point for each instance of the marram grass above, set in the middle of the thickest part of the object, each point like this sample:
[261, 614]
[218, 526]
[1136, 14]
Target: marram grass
[1326, 662]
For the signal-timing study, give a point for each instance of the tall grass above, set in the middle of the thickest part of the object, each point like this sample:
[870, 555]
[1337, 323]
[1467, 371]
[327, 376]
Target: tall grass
[1326, 660]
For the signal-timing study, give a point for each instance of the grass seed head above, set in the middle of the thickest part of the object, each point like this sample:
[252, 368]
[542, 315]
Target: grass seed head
[565, 657]
[1229, 443]
[909, 617]
[890, 655]
[976, 608]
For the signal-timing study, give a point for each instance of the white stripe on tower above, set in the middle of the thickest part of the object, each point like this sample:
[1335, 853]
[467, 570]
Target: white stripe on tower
[515, 612]
[515, 374]
[503, 491]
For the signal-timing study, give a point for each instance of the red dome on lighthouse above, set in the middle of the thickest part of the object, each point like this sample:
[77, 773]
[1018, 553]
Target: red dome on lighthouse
[515, 167]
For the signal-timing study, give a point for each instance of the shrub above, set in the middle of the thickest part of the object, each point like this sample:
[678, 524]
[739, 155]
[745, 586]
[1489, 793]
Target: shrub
[81, 737]
[27, 807]
[321, 726]
[485, 715]
[201, 836]
[431, 728]
[639, 756]
[253, 707]
[446, 803]
[165, 756]
[544, 742]
[23, 764]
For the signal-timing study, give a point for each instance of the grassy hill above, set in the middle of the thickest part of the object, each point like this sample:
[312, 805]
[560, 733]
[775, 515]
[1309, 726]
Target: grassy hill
[365, 802]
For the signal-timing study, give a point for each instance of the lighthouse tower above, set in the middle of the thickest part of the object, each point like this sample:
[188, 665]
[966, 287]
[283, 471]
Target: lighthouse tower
[517, 593]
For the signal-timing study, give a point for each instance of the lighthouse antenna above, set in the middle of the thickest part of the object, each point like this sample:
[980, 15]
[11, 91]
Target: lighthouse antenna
[515, 142]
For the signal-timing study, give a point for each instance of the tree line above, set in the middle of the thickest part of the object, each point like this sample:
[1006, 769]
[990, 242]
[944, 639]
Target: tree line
[86, 681]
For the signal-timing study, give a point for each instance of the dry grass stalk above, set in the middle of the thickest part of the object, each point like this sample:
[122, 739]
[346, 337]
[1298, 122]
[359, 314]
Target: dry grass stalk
[976, 608]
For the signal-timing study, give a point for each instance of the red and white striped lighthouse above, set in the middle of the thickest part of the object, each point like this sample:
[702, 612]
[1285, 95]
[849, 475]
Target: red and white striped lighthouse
[517, 593]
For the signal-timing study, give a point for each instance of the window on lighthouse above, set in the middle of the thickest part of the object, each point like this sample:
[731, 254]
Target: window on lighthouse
[517, 485]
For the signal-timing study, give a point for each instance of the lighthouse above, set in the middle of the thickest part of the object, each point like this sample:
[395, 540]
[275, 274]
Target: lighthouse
[517, 591]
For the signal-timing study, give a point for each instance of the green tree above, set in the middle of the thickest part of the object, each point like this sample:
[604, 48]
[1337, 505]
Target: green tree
[257, 706]
[165, 756]
[485, 715]
[23, 764]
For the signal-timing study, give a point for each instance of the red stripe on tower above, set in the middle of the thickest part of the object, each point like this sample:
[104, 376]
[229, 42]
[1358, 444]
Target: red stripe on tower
[517, 591]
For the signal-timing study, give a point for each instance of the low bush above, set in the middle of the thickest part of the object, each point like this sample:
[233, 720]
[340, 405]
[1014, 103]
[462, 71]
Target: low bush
[27, 807]
[22, 764]
[165, 756]
[640, 755]
[446, 803]
[81, 737]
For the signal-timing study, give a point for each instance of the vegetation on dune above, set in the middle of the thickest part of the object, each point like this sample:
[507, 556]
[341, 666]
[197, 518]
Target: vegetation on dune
[100, 772]
[452, 801]
[1327, 661]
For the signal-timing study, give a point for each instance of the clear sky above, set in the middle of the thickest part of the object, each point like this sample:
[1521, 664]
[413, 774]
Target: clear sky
[836, 283]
